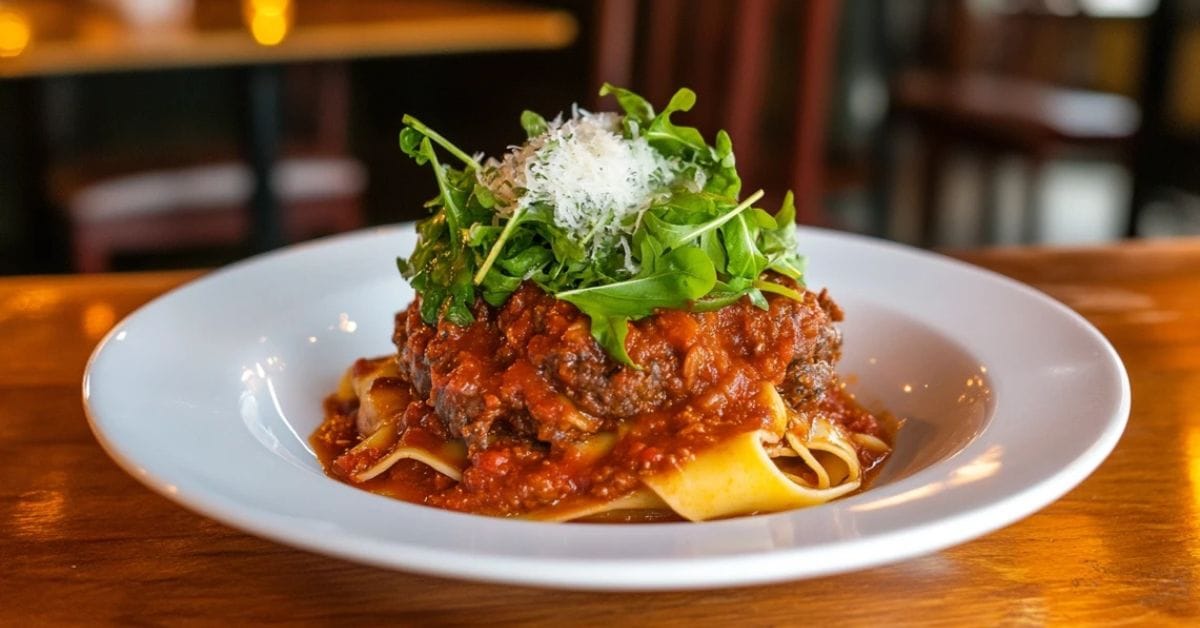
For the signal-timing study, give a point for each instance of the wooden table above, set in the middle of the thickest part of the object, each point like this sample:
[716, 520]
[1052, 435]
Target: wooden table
[83, 542]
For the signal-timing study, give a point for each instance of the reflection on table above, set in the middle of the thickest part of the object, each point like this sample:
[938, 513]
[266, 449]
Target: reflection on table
[1121, 546]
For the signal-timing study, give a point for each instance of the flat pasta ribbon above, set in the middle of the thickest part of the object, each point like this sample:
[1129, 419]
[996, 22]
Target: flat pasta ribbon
[737, 477]
[447, 457]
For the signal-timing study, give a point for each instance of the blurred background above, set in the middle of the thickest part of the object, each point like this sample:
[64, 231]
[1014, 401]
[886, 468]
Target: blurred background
[138, 134]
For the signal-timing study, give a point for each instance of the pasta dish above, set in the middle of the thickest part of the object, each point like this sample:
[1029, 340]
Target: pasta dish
[605, 329]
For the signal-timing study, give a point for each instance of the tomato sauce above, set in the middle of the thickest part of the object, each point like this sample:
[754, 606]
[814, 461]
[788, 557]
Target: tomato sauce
[547, 418]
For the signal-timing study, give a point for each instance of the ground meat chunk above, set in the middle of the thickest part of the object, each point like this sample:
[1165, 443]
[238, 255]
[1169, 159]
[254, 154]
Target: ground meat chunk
[811, 368]
[531, 367]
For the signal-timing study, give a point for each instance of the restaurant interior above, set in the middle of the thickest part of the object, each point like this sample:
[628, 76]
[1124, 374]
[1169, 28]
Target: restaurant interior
[183, 438]
[156, 134]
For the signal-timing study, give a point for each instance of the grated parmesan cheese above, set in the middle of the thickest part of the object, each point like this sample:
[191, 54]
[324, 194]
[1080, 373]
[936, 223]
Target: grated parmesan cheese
[597, 181]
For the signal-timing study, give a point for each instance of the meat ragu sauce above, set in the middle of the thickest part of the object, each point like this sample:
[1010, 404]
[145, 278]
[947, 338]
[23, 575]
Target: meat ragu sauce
[539, 404]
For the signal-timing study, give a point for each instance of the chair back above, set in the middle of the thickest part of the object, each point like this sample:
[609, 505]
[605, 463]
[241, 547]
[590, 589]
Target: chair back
[761, 68]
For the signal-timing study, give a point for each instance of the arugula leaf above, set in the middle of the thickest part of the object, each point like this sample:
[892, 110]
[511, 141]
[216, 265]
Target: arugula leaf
[711, 243]
[418, 126]
[462, 293]
[482, 235]
[785, 218]
[497, 286]
[452, 199]
[610, 332]
[671, 140]
[723, 176]
[723, 293]
[761, 218]
[498, 246]
[779, 245]
[681, 276]
[533, 123]
[697, 249]
[483, 196]
[649, 249]
[636, 108]
[745, 260]
[664, 231]
[410, 144]
[525, 261]
[691, 207]
[685, 235]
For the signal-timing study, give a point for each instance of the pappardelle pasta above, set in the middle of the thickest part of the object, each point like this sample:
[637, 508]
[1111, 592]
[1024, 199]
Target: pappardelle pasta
[603, 331]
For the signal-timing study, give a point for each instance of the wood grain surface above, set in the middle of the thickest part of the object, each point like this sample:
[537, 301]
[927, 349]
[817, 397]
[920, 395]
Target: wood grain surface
[82, 542]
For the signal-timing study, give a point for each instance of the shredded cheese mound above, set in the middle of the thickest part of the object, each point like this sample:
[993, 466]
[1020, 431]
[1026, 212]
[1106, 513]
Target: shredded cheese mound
[596, 181]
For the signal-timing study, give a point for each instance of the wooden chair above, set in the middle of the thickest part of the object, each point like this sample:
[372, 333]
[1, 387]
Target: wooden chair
[151, 203]
[739, 39]
[1165, 167]
[997, 114]
[206, 205]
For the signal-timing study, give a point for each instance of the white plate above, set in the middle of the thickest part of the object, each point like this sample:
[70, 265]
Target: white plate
[208, 394]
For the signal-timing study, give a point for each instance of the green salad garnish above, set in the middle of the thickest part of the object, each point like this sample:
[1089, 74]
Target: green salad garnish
[618, 214]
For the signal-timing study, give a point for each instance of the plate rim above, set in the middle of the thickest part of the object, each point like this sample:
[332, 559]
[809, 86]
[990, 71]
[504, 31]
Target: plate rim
[771, 565]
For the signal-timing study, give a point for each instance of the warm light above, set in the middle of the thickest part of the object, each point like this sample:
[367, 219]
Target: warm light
[32, 302]
[271, 7]
[98, 318]
[1191, 461]
[15, 32]
[39, 514]
[1191, 453]
[920, 492]
[268, 30]
[983, 466]
[269, 20]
